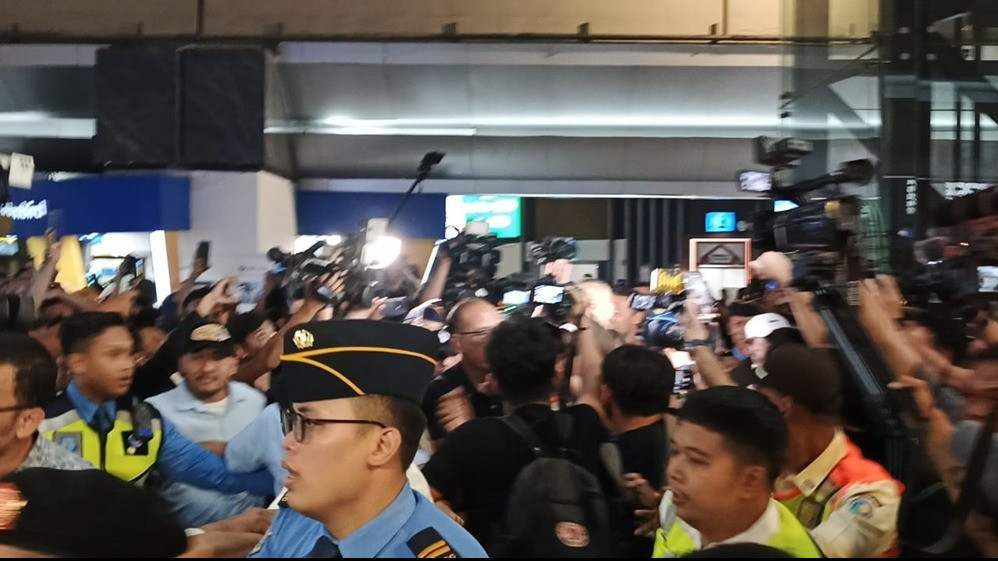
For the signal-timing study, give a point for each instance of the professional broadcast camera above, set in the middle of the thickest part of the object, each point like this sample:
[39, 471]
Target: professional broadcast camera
[553, 249]
[547, 291]
[474, 262]
[361, 257]
[824, 239]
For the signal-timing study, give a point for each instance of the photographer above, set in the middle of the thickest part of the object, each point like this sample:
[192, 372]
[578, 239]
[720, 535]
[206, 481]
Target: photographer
[848, 503]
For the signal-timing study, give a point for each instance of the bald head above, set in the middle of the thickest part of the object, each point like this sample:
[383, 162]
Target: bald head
[471, 323]
[465, 312]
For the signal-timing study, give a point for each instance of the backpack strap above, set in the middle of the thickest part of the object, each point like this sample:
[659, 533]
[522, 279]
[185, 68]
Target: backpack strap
[563, 424]
[523, 430]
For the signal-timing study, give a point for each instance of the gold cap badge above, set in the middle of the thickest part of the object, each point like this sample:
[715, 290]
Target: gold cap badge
[303, 339]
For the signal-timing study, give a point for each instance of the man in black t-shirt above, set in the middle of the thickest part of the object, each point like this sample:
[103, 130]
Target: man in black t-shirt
[473, 470]
[466, 390]
[637, 384]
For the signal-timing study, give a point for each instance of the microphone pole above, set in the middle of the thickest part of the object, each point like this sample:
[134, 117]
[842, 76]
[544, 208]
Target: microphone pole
[430, 159]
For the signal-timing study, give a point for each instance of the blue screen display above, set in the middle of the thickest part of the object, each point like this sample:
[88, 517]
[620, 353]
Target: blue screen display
[717, 222]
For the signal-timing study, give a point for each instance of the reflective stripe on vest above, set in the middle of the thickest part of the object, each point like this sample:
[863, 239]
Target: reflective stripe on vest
[122, 459]
[791, 537]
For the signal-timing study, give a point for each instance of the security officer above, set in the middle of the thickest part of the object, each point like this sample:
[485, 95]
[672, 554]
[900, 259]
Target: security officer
[99, 419]
[727, 450]
[353, 426]
[848, 503]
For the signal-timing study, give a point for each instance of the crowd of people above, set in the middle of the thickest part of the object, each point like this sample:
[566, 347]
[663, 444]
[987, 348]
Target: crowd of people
[302, 428]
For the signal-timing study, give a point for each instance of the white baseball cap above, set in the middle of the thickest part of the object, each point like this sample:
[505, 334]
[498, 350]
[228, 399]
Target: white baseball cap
[764, 324]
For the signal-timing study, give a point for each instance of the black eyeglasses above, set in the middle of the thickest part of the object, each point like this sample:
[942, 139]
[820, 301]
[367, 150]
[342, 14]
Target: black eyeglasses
[480, 334]
[294, 422]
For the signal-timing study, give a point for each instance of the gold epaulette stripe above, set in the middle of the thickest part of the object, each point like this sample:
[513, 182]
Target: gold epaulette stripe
[434, 548]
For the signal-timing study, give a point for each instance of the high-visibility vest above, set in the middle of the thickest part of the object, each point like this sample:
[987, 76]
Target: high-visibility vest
[124, 452]
[791, 537]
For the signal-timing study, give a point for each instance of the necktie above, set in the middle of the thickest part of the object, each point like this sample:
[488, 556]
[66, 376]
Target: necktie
[102, 422]
[325, 549]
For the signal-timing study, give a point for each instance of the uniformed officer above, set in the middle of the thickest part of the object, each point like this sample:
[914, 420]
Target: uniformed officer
[354, 424]
[727, 450]
[98, 418]
[848, 503]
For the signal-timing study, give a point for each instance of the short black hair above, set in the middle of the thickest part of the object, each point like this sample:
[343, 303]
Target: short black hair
[35, 371]
[748, 421]
[407, 416]
[522, 353]
[77, 331]
[242, 325]
[456, 320]
[641, 379]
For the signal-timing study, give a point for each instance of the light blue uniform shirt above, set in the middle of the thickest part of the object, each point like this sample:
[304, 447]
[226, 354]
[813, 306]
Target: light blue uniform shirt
[259, 446]
[194, 506]
[409, 527]
[179, 458]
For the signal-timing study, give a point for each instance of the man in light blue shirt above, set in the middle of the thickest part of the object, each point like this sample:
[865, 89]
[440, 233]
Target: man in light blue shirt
[98, 419]
[353, 426]
[206, 406]
[259, 446]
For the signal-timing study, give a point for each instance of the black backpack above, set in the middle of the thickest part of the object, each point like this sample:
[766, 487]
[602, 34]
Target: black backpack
[557, 507]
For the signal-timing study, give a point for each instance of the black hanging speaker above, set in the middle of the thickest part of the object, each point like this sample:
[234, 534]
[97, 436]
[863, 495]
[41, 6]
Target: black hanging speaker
[137, 123]
[222, 107]
[194, 107]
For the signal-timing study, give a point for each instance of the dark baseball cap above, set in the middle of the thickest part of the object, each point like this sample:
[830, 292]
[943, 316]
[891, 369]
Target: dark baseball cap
[210, 336]
[808, 376]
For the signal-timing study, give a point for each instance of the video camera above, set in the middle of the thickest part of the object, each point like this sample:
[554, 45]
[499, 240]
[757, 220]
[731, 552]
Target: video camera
[663, 327]
[657, 300]
[552, 249]
[474, 262]
[361, 258]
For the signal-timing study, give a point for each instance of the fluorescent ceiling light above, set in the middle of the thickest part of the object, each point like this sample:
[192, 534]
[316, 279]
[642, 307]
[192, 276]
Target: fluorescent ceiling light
[22, 116]
[567, 121]
[429, 131]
